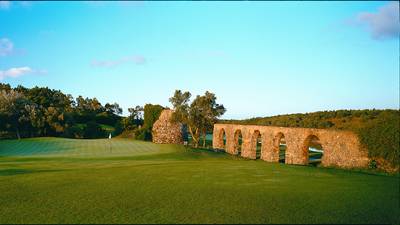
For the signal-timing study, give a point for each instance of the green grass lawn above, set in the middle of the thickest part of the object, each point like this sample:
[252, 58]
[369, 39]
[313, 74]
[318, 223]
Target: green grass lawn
[62, 147]
[54, 180]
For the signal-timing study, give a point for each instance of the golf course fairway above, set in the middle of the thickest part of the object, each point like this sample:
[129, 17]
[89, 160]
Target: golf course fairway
[56, 180]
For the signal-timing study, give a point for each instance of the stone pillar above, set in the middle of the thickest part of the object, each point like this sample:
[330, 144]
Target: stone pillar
[218, 143]
[166, 132]
[295, 151]
[268, 151]
[247, 145]
[230, 142]
[253, 146]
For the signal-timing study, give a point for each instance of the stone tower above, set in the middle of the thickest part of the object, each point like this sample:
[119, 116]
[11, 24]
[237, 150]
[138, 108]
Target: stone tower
[166, 132]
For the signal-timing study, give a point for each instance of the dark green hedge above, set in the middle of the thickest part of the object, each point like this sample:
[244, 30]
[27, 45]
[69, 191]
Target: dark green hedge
[151, 114]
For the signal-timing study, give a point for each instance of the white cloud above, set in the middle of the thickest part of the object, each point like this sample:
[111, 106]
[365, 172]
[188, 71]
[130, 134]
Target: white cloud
[5, 4]
[15, 72]
[384, 23]
[136, 59]
[6, 47]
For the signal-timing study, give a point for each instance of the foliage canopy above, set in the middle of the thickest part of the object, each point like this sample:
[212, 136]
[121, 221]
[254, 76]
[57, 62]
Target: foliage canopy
[199, 116]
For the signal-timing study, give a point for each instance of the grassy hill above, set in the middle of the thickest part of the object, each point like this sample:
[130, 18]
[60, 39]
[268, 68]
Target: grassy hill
[54, 180]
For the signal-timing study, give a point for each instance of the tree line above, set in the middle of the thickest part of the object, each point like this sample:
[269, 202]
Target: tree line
[40, 111]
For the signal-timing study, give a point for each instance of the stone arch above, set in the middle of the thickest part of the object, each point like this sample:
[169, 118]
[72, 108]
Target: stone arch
[256, 138]
[238, 141]
[280, 145]
[312, 141]
[341, 148]
[220, 139]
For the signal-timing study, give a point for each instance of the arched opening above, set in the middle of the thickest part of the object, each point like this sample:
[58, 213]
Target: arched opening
[313, 150]
[280, 147]
[257, 143]
[222, 139]
[238, 142]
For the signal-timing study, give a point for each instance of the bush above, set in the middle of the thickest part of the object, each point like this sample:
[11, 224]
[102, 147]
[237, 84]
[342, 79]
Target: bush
[372, 164]
[151, 115]
[94, 130]
[74, 131]
[107, 118]
[143, 134]
[382, 136]
[118, 129]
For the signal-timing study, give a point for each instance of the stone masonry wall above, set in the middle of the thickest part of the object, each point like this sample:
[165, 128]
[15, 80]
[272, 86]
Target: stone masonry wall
[166, 132]
[341, 148]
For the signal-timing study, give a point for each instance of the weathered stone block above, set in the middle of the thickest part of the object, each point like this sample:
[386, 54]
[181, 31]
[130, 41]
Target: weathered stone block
[167, 132]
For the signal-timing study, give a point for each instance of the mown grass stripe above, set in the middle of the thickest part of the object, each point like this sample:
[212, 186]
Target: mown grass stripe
[79, 148]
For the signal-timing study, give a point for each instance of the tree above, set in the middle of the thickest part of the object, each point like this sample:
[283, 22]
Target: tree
[180, 102]
[151, 115]
[5, 87]
[12, 106]
[200, 116]
[93, 130]
[54, 119]
[136, 113]
[36, 118]
[113, 108]
[88, 105]
[46, 97]
[210, 111]
[134, 119]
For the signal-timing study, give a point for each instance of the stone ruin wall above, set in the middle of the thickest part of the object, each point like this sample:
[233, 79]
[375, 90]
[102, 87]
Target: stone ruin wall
[341, 148]
[166, 132]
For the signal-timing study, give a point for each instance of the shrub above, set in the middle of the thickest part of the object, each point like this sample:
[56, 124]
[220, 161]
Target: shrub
[381, 136]
[143, 134]
[151, 115]
[107, 118]
[94, 130]
[74, 131]
[372, 164]
[118, 129]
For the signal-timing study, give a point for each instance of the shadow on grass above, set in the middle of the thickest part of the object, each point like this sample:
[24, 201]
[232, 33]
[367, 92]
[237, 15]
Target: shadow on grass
[12, 172]
[181, 154]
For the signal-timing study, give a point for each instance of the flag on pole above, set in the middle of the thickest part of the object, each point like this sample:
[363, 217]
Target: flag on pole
[109, 136]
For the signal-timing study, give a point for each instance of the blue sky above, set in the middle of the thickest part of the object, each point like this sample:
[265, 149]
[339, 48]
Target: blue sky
[259, 58]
